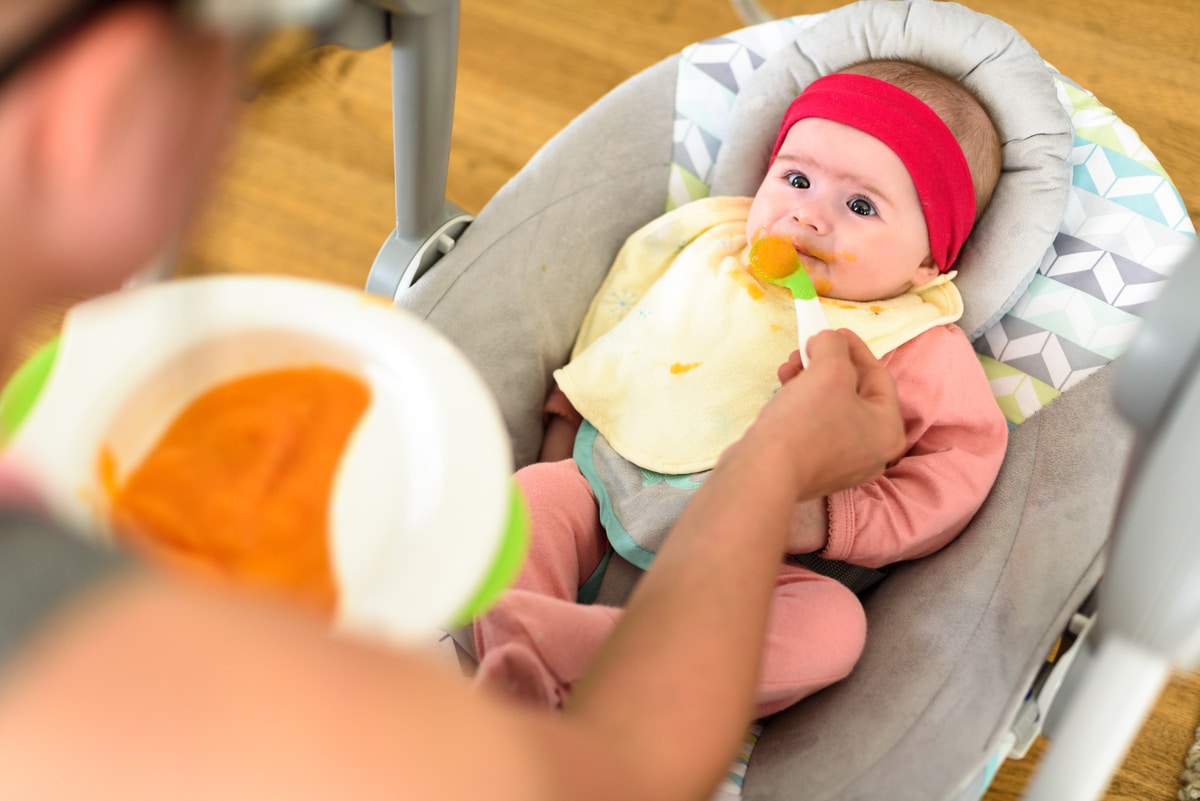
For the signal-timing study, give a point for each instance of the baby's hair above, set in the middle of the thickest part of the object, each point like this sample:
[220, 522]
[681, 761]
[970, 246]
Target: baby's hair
[962, 112]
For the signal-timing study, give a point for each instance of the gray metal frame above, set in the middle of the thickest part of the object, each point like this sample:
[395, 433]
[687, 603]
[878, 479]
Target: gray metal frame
[423, 36]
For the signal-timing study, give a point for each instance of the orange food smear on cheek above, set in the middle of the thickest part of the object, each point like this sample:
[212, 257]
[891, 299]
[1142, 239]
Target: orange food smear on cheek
[239, 486]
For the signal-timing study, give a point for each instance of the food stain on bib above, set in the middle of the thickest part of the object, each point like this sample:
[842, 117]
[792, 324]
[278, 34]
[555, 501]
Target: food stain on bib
[752, 287]
[239, 486]
[678, 368]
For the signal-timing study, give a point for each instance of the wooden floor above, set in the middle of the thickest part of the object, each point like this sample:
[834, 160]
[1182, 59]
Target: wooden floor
[309, 190]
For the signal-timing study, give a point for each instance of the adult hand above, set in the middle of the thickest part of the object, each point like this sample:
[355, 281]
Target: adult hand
[837, 423]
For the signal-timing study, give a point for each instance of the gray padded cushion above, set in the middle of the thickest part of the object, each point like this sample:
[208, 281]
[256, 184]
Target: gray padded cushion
[513, 291]
[991, 59]
[955, 637]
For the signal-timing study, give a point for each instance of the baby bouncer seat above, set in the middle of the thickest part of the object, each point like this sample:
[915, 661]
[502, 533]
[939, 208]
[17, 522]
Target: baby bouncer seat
[1082, 232]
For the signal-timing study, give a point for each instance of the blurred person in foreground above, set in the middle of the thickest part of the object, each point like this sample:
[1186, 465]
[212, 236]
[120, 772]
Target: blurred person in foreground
[120, 683]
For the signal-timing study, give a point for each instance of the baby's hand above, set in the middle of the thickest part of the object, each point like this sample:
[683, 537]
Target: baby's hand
[558, 442]
[791, 368]
[562, 424]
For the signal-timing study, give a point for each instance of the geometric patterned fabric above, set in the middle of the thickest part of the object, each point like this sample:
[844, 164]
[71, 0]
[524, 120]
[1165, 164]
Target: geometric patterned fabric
[1124, 228]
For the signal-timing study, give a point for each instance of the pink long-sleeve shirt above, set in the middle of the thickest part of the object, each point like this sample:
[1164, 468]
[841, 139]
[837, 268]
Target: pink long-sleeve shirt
[956, 438]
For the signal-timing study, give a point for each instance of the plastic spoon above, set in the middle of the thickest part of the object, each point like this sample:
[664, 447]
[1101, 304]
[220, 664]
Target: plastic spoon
[773, 260]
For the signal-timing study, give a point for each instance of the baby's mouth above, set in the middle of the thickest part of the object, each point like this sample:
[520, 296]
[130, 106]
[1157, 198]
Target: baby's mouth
[810, 254]
[807, 259]
[815, 263]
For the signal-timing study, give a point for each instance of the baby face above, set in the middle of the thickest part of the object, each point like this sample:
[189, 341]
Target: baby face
[847, 203]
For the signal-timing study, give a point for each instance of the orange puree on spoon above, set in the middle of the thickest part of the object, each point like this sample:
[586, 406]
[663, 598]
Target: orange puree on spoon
[773, 258]
[239, 486]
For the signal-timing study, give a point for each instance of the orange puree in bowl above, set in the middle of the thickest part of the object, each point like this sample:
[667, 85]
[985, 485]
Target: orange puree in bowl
[239, 485]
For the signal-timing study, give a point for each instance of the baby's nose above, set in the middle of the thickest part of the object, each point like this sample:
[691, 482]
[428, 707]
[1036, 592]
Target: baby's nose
[810, 215]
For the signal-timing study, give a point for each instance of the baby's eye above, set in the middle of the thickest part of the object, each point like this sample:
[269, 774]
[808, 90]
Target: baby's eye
[798, 180]
[861, 206]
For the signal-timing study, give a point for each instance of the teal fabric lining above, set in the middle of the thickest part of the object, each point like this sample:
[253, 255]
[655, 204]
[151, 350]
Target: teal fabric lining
[618, 537]
[590, 589]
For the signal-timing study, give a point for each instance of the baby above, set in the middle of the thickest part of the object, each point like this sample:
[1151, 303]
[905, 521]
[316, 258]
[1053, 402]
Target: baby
[877, 177]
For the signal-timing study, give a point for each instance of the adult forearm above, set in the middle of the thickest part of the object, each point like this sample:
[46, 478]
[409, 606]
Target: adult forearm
[677, 698]
[810, 526]
[672, 692]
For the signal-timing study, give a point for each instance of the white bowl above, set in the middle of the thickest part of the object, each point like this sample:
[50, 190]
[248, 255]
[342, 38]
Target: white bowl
[423, 503]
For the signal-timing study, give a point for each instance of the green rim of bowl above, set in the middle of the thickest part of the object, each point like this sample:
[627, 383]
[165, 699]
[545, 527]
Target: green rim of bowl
[508, 561]
[21, 393]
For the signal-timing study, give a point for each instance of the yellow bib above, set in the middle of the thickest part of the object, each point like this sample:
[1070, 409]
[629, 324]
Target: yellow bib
[679, 349]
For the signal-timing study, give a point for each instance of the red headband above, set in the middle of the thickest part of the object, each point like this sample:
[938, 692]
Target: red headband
[916, 134]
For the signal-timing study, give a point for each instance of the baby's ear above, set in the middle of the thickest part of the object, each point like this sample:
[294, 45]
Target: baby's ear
[926, 272]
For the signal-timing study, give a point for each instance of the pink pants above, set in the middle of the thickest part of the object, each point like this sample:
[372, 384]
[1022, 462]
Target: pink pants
[536, 642]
